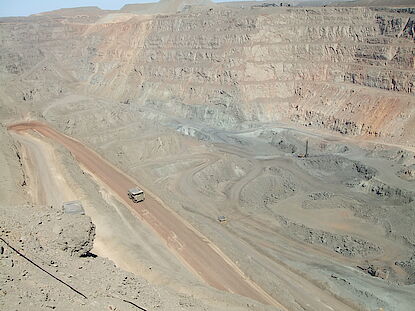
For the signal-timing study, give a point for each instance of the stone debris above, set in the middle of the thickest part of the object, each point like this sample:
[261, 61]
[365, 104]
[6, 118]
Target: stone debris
[375, 271]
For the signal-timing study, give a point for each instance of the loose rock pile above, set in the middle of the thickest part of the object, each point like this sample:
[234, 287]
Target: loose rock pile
[45, 263]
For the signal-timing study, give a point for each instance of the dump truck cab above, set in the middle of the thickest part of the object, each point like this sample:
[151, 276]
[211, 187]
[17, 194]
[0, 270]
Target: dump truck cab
[136, 195]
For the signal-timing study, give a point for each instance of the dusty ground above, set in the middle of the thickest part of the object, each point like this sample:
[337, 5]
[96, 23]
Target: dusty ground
[283, 212]
[203, 258]
[210, 123]
[64, 244]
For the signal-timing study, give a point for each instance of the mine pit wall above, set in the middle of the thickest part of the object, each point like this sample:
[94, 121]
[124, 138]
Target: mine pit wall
[349, 70]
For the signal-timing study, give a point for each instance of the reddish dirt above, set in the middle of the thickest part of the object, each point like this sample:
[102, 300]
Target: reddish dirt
[194, 250]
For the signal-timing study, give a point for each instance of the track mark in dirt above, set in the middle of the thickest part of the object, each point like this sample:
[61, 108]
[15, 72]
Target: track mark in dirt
[199, 254]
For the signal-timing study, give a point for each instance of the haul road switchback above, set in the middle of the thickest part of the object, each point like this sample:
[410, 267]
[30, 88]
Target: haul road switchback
[195, 251]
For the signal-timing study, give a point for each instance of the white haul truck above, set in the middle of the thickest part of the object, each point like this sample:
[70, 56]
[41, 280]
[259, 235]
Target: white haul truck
[136, 195]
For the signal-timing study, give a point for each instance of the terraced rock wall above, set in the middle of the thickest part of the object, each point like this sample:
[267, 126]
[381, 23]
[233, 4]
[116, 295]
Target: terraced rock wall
[351, 70]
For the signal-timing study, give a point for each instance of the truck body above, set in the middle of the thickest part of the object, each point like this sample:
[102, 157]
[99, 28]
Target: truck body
[136, 195]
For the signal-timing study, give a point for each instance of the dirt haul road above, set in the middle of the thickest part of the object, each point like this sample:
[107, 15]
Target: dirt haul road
[194, 250]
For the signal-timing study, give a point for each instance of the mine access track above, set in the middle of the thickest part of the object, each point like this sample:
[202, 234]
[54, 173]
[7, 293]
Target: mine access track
[200, 255]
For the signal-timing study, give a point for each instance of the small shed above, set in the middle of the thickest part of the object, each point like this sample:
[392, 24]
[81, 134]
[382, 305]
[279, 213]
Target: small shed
[73, 207]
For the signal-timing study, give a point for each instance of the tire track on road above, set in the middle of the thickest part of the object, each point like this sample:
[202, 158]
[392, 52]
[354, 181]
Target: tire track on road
[198, 253]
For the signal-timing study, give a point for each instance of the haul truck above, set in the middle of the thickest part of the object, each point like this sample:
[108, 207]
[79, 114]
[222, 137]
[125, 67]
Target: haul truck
[136, 195]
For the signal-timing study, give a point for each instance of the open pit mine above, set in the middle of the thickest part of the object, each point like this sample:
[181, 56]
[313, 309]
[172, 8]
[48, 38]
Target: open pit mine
[192, 155]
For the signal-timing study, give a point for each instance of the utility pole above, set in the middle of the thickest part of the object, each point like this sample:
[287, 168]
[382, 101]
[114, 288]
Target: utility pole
[306, 149]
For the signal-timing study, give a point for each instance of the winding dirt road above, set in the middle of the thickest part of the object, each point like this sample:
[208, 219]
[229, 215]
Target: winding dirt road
[192, 248]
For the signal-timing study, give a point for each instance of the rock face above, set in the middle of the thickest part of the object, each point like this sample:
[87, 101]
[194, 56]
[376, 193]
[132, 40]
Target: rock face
[68, 282]
[350, 70]
[344, 245]
[164, 6]
[74, 234]
[374, 3]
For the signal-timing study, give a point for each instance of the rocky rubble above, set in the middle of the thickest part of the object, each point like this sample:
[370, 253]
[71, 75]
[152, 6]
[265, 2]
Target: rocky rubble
[329, 200]
[75, 234]
[407, 173]
[335, 166]
[45, 263]
[386, 192]
[409, 266]
[342, 244]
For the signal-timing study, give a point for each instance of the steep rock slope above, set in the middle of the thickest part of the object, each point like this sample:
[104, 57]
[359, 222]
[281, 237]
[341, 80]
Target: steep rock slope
[350, 70]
